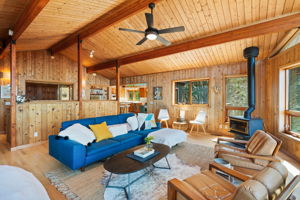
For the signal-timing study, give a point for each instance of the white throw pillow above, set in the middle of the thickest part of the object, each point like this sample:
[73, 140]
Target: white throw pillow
[128, 127]
[133, 122]
[78, 133]
[118, 129]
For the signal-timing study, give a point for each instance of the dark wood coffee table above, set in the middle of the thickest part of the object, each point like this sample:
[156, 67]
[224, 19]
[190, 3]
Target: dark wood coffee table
[121, 164]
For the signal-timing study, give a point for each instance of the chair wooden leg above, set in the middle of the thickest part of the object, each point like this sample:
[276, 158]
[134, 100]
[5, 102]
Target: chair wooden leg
[167, 124]
[192, 128]
[203, 128]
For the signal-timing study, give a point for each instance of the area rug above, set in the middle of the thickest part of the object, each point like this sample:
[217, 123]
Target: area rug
[185, 159]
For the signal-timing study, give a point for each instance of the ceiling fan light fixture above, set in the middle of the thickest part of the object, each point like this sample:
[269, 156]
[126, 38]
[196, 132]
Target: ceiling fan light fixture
[151, 36]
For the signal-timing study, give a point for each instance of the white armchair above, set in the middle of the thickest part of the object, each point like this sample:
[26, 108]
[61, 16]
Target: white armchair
[200, 120]
[163, 116]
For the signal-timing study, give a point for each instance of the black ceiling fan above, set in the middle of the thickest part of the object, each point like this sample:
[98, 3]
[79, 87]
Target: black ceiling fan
[152, 33]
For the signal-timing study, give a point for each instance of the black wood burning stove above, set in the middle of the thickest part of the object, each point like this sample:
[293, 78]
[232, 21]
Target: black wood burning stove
[244, 127]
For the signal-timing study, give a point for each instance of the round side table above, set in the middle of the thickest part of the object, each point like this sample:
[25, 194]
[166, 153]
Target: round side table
[180, 125]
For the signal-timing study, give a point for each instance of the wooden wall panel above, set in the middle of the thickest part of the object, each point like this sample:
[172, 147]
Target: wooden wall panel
[43, 117]
[215, 109]
[273, 67]
[99, 108]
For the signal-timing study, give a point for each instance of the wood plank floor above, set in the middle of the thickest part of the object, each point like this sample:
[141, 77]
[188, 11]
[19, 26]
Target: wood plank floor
[37, 161]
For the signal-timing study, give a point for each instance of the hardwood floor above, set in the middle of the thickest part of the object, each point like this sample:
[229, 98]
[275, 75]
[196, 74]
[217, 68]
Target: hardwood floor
[37, 161]
[33, 159]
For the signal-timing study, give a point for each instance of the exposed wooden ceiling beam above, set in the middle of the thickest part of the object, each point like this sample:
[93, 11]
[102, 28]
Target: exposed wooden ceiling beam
[289, 37]
[31, 11]
[282, 23]
[121, 12]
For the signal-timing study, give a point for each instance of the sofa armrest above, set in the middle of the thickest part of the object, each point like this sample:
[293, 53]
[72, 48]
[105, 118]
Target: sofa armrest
[289, 189]
[176, 186]
[158, 124]
[215, 166]
[69, 152]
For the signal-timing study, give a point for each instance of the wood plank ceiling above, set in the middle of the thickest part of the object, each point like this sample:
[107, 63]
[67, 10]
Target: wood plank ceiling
[10, 12]
[200, 17]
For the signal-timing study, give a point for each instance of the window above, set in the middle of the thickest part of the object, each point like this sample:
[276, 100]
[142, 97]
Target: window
[236, 96]
[293, 101]
[191, 92]
[48, 91]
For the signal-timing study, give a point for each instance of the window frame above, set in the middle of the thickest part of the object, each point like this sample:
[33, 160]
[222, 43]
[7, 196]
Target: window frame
[228, 108]
[190, 92]
[288, 114]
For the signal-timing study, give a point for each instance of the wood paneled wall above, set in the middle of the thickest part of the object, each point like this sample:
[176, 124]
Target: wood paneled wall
[216, 107]
[273, 67]
[99, 108]
[45, 117]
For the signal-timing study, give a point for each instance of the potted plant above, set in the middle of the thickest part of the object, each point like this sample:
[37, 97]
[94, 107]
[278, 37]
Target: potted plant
[148, 140]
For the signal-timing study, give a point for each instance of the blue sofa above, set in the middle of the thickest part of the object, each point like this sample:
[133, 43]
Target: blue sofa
[76, 155]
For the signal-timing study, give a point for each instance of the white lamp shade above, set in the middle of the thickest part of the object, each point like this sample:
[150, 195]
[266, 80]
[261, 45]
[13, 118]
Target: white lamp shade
[163, 114]
[182, 114]
[201, 116]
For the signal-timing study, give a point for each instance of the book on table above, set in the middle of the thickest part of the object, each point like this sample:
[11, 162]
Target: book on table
[144, 152]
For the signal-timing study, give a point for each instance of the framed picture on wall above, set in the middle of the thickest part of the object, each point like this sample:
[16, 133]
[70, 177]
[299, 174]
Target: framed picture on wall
[157, 93]
[5, 92]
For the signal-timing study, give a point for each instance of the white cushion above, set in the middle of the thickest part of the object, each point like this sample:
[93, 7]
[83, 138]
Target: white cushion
[78, 133]
[128, 127]
[168, 136]
[133, 122]
[118, 129]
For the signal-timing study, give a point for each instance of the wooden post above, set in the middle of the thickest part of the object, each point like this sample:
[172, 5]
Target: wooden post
[13, 88]
[118, 85]
[80, 74]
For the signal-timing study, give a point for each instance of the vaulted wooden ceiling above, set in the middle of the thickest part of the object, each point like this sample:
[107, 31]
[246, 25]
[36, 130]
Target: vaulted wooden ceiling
[60, 18]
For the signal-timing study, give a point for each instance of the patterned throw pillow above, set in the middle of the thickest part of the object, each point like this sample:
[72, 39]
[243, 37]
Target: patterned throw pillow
[146, 121]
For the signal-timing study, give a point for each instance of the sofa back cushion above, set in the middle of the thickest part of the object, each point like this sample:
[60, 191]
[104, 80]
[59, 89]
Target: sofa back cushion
[251, 190]
[110, 120]
[271, 179]
[261, 143]
[123, 117]
[85, 122]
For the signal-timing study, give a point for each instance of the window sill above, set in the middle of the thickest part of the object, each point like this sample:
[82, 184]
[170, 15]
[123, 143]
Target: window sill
[290, 136]
[191, 105]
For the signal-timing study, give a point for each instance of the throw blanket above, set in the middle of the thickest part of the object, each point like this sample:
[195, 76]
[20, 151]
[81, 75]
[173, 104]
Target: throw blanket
[168, 136]
[18, 184]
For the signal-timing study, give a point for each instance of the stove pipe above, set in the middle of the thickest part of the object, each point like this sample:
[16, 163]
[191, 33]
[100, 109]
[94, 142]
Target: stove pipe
[250, 53]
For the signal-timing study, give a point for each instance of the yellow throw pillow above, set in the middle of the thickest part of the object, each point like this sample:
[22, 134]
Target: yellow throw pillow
[101, 131]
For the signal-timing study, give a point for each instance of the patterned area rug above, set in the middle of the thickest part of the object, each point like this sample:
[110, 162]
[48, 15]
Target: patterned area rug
[185, 159]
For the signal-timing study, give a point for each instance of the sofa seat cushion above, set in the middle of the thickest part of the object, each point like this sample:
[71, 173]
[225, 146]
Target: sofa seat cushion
[129, 137]
[209, 184]
[240, 162]
[103, 145]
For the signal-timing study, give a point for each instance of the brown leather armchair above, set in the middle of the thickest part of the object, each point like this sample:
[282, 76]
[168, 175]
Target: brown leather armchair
[268, 184]
[260, 150]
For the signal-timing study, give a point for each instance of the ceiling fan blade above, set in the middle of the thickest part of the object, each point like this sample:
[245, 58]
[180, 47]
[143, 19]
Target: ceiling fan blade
[141, 41]
[149, 19]
[163, 40]
[131, 30]
[171, 30]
